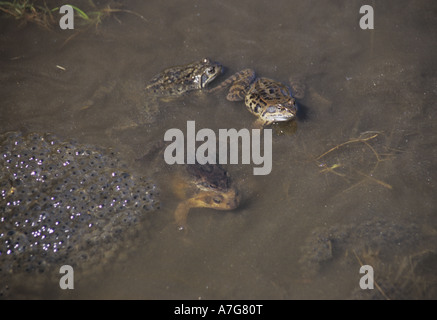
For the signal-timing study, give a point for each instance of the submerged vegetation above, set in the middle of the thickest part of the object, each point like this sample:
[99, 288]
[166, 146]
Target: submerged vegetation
[44, 16]
[355, 160]
[26, 11]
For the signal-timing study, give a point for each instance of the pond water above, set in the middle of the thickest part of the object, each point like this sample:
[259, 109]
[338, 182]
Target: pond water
[354, 184]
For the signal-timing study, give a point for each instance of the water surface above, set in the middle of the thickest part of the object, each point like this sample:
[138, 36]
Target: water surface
[301, 230]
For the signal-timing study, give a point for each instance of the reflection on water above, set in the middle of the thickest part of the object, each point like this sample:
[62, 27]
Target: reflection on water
[333, 200]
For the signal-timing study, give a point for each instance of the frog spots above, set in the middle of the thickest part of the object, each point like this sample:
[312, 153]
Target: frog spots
[178, 80]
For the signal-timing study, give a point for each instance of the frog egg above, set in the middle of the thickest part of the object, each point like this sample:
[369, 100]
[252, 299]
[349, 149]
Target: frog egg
[69, 202]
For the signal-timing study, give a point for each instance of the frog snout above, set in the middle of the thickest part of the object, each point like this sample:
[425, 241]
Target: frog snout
[234, 202]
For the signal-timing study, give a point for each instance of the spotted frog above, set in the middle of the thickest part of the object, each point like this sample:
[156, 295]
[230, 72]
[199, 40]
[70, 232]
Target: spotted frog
[269, 100]
[178, 80]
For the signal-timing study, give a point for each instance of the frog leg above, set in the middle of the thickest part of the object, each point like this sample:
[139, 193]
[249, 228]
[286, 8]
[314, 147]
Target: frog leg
[181, 214]
[261, 124]
[238, 91]
[297, 87]
[240, 82]
[202, 200]
[183, 208]
[180, 187]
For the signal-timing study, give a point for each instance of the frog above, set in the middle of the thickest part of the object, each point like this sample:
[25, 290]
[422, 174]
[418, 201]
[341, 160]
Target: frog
[206, 185]
[142, 103]
[269, 100]
[203, 186]
[178, 80]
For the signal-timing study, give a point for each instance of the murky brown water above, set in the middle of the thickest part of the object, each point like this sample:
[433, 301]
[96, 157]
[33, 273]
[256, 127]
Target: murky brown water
[301, 230]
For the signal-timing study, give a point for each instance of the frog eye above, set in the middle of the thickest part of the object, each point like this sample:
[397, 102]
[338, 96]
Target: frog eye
[217, 200]
[271, 109]
[210, 70]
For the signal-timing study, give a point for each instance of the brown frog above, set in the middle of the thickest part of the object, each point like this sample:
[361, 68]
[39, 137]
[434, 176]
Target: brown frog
[269, 100]
[203, 186]
[178, 80]
[195, 185]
